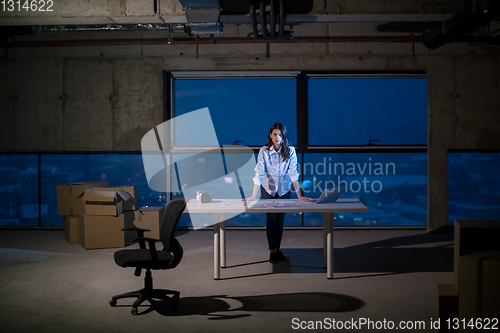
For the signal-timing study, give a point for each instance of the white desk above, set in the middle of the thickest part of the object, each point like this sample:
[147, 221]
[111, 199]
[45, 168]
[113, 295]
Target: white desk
[219, 208]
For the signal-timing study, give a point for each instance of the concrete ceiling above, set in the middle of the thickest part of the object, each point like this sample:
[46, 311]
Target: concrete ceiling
[209, 16]
[84, 12]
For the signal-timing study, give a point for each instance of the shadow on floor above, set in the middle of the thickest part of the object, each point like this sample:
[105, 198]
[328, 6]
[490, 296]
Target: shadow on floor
[415, 253]
[408, 254]
[217, 306]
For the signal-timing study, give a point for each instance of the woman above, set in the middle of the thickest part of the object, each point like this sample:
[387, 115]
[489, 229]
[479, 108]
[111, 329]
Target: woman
[277, 160]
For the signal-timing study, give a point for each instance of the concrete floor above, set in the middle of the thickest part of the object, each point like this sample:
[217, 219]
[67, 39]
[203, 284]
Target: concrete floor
[48, 285]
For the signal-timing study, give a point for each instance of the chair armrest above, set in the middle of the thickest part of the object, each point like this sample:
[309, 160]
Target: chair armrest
[140, 233]
[152, 249]
[147, 239]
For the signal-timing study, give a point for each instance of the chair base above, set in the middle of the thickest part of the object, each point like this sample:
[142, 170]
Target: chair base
[149, 295]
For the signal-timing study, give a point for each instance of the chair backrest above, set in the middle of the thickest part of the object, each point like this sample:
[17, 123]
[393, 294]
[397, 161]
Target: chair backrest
[169, 222]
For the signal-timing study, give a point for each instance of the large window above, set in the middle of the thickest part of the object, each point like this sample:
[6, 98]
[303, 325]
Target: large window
[340, 110]
[117, 169]
[19, 191]
[20, 197]
[242, 109]
[352, 110]
[473, 185]
[355, 110]
[323, 114]
[392, 185]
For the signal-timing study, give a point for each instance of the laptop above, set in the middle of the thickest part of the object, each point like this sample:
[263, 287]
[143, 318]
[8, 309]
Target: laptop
[329, 196]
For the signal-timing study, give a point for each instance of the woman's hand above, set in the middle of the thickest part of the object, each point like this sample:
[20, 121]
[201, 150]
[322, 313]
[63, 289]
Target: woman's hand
[304, 198]
[254, 193]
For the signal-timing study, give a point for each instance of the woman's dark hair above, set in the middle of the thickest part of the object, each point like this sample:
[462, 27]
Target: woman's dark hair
[285, 145]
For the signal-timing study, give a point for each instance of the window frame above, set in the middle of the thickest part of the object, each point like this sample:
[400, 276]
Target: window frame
[302, 111]
[394, 147]
[169, 98]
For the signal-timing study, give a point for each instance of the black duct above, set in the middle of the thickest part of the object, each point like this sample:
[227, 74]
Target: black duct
[474, 14]
[276, 15]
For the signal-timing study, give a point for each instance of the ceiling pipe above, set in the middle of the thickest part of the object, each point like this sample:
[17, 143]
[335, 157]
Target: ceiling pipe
[201, 41]
[253, 20]
[198, 41]
[282, 19]
[473, 14]
[411, 38]
[273, 20]
[263, 22]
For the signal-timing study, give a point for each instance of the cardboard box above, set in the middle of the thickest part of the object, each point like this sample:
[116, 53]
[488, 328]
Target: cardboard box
[129, 218]
[129, 204]
[103, 202]
[490, 298]
[71, 229]
[474, 236]
[149, 218]
[145, 218]
[447, 305]
[472, 289]
[100, 232]
[68, 202]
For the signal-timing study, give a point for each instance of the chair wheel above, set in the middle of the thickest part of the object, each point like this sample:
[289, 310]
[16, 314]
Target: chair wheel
[134, 311]
[112, 302]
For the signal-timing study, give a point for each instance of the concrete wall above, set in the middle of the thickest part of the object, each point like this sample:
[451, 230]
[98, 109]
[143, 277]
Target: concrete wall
[105, 98]
[464, 113]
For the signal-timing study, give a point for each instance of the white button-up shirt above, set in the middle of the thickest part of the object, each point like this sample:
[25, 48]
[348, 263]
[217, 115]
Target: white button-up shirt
[271, 171]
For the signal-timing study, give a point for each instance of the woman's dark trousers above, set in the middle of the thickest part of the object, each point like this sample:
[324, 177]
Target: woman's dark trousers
[274, 224]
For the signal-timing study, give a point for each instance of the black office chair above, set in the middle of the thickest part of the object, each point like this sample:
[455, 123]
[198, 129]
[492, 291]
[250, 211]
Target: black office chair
[149, 259]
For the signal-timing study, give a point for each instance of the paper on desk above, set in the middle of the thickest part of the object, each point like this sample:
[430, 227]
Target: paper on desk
[232, 202]
[252, 203]
[239, 202]
[284, 202]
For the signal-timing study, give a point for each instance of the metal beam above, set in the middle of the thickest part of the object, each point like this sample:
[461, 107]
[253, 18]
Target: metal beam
[333, 18]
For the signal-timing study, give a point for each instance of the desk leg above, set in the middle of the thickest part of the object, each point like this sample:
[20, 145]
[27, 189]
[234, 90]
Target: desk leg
[222, 241]
[325, 233]
[217, 241]
[329, 245]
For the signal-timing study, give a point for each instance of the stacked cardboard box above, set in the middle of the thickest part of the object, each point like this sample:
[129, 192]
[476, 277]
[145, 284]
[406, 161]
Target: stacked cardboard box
[102, 219]
[70, 205]
[130, 204]
[475, 292]
[447, 306]
[94, 213]
[479, 292]
[68, 197]
[71, 229]
[129, 209]
[473, 236]
[144, 218]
